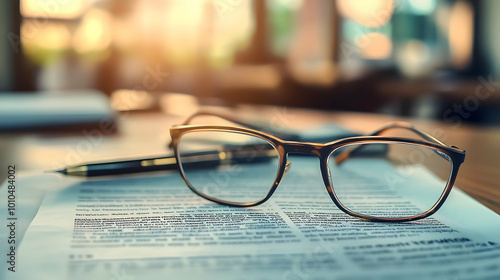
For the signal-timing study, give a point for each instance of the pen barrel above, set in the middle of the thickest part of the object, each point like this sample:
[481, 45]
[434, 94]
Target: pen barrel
[131, 166]
[199, 160]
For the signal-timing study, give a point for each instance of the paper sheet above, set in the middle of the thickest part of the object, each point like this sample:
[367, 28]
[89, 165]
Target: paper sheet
[156, 228]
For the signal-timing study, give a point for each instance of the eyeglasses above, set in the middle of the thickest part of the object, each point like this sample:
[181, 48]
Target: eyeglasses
[369, 177]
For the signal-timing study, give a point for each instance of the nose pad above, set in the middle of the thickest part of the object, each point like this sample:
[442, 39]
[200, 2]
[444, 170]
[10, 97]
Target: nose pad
[287, 167]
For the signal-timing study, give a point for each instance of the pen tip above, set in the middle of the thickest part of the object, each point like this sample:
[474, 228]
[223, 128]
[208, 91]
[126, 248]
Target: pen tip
[62, 171]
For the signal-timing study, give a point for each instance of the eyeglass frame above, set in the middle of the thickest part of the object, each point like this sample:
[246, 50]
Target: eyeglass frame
[323, 152]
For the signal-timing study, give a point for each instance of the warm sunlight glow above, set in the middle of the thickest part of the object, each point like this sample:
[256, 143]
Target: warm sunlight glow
[94, 32]
[129, 100]
[317, 72]
[232, 31]
[178, 104]
[44, 44]
[51, 36]
[262, 77]
[54, 9]
[372, 13]
[186, 34]
[461, 34]
[186, 26]
[193, 32]
[375, 46]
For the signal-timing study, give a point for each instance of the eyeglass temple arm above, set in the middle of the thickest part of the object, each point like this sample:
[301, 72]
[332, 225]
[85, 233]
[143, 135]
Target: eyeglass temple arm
[223, 116]
[399, 125]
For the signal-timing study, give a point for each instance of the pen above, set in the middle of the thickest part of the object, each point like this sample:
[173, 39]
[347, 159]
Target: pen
[206, 159]
[121, 167]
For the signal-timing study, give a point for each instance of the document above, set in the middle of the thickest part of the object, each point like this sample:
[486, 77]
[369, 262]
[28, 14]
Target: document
[154, 227]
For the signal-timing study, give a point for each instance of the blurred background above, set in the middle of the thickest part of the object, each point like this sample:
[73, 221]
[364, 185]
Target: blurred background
[433, 59]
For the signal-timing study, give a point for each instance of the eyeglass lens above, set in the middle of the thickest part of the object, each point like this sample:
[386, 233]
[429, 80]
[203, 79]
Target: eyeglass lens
[218, 164]
[378, 179]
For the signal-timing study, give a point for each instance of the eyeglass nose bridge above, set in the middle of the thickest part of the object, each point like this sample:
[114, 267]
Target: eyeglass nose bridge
[304, 148]
[317, 149]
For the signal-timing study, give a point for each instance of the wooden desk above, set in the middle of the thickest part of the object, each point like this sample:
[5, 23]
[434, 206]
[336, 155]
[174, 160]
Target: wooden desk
[146, 134]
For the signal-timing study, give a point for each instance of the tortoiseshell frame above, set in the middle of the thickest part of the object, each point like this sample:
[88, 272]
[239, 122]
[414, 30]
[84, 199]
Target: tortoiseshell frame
[323, 152]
